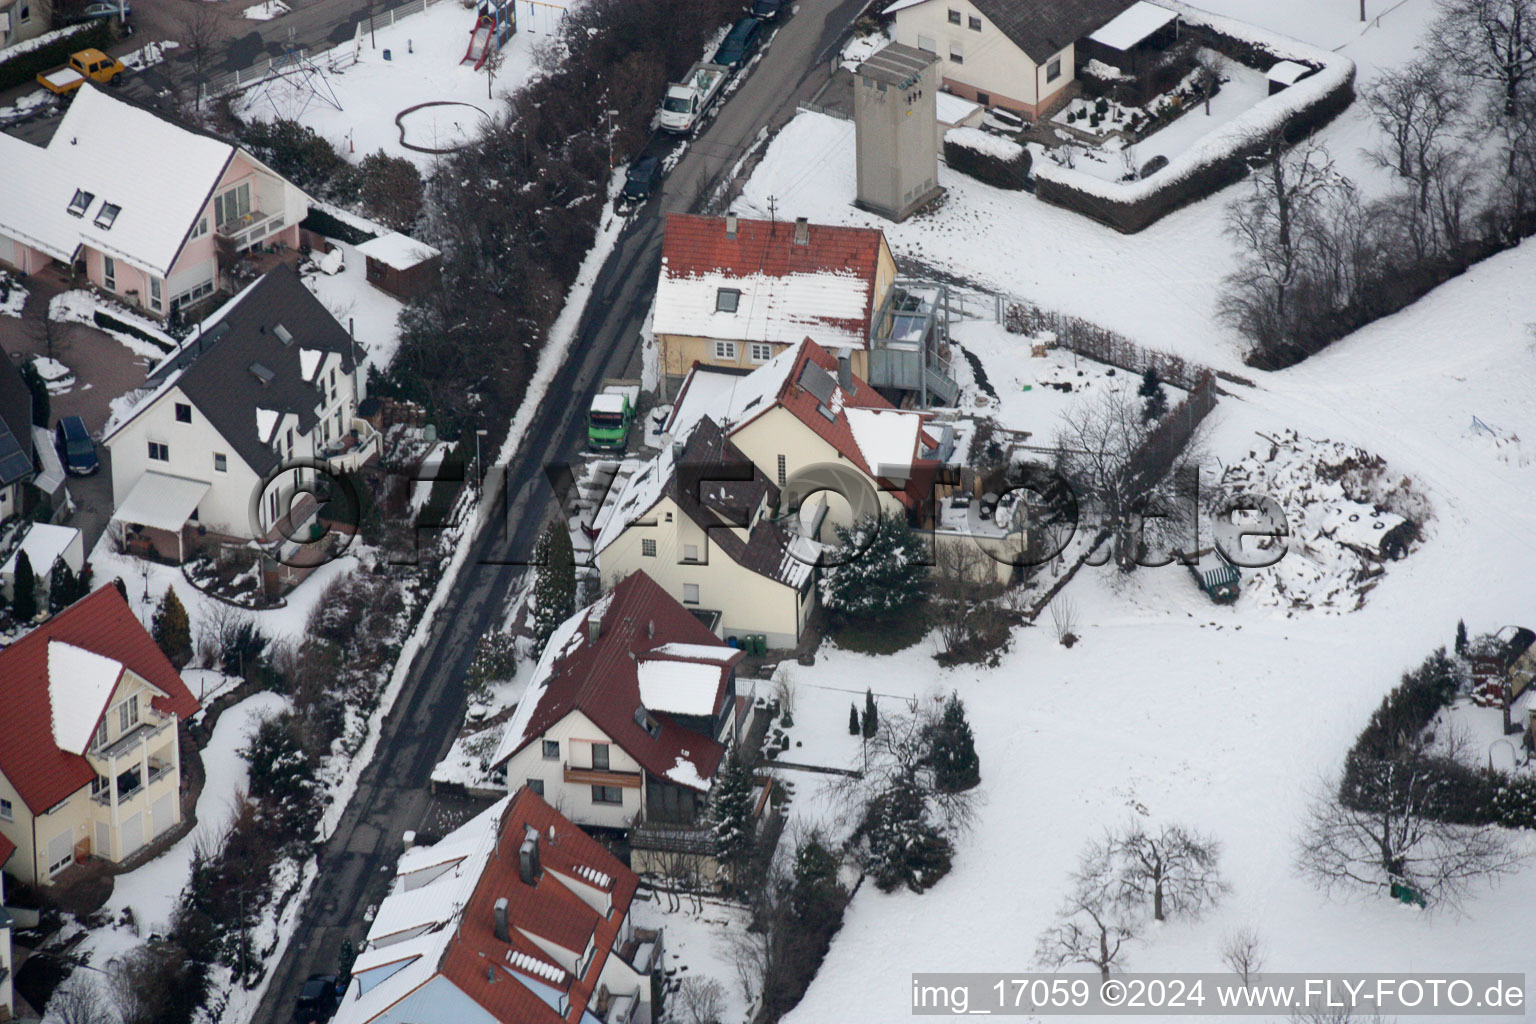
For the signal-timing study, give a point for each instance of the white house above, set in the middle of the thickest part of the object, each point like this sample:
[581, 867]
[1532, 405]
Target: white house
[137, 204]
[515, 917]
[269, 379]
[1018, 54]
[699, 519]
[44, 545]
[629, 713]
[90, 760]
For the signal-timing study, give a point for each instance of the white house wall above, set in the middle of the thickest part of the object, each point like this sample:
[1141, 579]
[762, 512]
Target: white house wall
[993, 63]
[576, 733]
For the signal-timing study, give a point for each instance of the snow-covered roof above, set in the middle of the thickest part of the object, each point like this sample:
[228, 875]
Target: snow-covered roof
[1134, 24]
[44, 544]
[608, 403]
[1288, 72]
[309, 362]
[397, 251]
[774, 309]
[79, 684]
[158, 174]
[730, 399]
[696, 652]
[984, 142]
[952, 109]
[679, 687]
[684, 773]
[161, 501]
[886, 437]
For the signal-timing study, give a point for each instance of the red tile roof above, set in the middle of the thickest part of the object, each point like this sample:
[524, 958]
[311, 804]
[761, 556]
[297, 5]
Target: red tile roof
[6, 849]
[548, 908]
[600, 679]
[103, 624]
[692, 246]
[837, 431]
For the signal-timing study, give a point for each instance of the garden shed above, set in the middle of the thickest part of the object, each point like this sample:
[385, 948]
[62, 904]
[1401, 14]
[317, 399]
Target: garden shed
[400, 265]
[1286, 74]
[1138, 33]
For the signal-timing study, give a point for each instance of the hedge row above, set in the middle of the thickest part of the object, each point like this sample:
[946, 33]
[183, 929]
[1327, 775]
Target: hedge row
[108, 322]
[994, 170]
[25, 67]
[1134, 215]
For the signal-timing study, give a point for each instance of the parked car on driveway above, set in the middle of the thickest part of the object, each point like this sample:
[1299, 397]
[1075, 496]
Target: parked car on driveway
[766, 10]
[76, 449]
[740, 43]
[641, 180]
[317, 1000]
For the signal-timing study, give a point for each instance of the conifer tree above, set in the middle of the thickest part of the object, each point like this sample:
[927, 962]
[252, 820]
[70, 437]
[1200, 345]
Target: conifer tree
[1461, 636]
[853, 720]
[63, 586]
[953, 754]
[871, 723]
[730, 814]
[879, 570]
[1155, 399]
[24, 589]
[172, 630]
[902, 846]
[554, 583]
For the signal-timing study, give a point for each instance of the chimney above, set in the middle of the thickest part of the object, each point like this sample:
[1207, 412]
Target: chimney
[845, 369]
[503, 932]
[802, 231]
[594, 627]
[677, 450]
[730, 225]
[528, 860]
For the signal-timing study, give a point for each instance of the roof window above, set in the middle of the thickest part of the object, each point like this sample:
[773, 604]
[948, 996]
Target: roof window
[261, 373]
[81, 202]
[107, 215]
[282, 334]
[726, 300]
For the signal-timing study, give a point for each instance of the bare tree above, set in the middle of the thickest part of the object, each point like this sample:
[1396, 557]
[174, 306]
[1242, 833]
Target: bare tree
[1210, 72]
[1064, 619]
[1388, 831]
[698, 1000]
[199, 27]
[491, 67]
[964, 584]
[79, 1000]
[1492, 41]
[1176, 869]
[1092, 927]
[47, 334]
[1243, 953]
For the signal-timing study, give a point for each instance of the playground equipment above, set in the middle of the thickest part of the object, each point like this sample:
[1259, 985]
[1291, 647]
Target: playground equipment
[296, 82]
[495, 21]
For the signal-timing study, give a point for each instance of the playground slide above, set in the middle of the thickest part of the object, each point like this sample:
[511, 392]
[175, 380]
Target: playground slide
[479, 43]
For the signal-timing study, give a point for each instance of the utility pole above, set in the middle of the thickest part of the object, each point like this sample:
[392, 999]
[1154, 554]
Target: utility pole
[773, 215]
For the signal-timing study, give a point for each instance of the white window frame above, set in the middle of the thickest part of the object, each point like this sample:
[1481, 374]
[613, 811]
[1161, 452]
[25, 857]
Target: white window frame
[128, 714]
[220, 462]
[232, 205]
[690, 552]
[544, 750]
[109, 273]
[954, 17]
[1053, 70]
[648, 547]
[199, 229]
[956, 53]
[725, 350]
[154, 293]
[7, 811]
[690, 588]
[759, 351]
[163, 449]
[928, 44]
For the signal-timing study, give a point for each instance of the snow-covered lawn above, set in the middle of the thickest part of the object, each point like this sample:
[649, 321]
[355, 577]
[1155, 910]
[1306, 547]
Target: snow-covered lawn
[373, 315]
[1224, 718]
[55, 374]
[698, 944]
[16, 296]
[81, 305]
[265, 11]
[355, 107]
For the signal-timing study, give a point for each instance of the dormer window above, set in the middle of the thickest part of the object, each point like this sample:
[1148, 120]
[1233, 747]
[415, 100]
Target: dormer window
[107, 215]
[644, 720]
[81, 202]
[727, 299]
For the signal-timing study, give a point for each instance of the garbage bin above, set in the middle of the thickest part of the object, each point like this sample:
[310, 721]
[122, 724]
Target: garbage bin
[732, 641]
[759, 644]
[386, 55]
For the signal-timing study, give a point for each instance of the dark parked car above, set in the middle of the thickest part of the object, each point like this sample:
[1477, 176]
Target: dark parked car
[76, 449]
[642, 178]
[105, 9]
[766, 10]
[740, 43]
[317, 1000]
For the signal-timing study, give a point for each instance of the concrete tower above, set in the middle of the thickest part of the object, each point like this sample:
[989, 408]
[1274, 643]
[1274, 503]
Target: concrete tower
[895, 120]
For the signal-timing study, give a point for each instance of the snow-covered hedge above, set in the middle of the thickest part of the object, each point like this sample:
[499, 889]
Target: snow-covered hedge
[986, 157]
[1220, 157]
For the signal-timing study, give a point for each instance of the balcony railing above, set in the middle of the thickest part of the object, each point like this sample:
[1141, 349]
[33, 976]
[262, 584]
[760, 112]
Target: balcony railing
[601, 777]
[694, 839]
[151, 724]
[252, 228]
[158, 770]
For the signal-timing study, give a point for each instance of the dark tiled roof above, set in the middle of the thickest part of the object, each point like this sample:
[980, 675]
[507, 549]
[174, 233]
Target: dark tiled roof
[15, 424]
[103, 624]
[218, 377]
[1043, 28]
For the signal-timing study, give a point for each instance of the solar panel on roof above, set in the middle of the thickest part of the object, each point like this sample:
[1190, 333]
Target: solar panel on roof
[818, 382]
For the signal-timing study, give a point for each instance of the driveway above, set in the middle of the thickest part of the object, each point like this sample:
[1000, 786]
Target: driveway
[104, 369]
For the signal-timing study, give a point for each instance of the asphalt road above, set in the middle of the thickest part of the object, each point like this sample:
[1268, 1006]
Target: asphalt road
[392, 796]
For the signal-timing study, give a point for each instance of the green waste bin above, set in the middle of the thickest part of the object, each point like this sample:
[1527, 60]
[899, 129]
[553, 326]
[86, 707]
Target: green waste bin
[759, 644]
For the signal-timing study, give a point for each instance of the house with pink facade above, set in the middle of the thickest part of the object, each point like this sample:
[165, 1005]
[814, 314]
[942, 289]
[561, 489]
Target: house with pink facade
[138, 205]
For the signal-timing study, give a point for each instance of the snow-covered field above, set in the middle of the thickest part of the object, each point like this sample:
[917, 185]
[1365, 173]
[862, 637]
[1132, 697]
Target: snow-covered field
[1224, 718]
[355, 106]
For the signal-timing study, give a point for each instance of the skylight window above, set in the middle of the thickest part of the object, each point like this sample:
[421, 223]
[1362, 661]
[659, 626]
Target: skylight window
[81, 202]
[107, 215]
[282, 334]
[726, 300]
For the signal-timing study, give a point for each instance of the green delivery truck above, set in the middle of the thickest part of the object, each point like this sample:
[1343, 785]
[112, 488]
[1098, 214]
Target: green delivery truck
[613, 409]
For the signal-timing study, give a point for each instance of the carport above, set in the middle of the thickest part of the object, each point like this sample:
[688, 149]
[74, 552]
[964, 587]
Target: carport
[157, 510]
